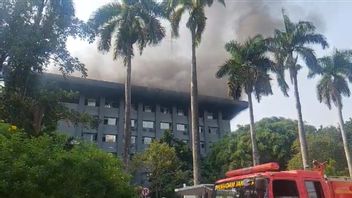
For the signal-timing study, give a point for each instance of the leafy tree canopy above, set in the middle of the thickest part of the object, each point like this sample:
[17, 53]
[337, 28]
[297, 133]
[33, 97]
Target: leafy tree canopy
[52, 166]
[164, 168]
[275, 137]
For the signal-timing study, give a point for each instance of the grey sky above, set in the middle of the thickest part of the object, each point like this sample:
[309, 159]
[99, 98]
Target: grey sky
[333, 19]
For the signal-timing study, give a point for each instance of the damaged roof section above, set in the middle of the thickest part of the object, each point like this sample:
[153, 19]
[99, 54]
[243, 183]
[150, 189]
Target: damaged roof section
[228, 107]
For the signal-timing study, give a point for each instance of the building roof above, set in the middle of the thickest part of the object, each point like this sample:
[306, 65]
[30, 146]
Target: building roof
[229, 108]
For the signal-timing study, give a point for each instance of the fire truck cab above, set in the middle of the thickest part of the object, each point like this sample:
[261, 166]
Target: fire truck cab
[266, 181]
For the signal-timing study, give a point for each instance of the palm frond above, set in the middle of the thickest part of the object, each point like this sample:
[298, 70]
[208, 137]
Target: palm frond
[341, 85]
[309, 58]
[175, 19]
[312, 38]
[106, 33]
[104, 14]
[289, 26]
[324, 89]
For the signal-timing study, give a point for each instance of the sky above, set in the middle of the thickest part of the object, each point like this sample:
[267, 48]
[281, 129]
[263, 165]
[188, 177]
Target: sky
[167, 65]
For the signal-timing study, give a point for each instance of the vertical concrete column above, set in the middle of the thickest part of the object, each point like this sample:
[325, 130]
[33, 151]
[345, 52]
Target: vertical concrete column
[101, 119]
[220, 128]
[206, 132]
[157, 122]
[174, 119]
[81, 107]
[120, 134]
[139, 124]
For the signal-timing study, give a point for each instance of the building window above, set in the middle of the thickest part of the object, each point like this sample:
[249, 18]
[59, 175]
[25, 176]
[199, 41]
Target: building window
[111, 104]
[201, 129]
[181, 112]
[133, 124]
[181, 127]
[185, 141]
[210, 116]
[92, 137]
[109, 138]
[165, 125]
[91, 102]
[147, 140]
[202, 145]
[110, 121]
[165, 110]
[148, 109]
[148, 124]
[213, 130]
[133, 139]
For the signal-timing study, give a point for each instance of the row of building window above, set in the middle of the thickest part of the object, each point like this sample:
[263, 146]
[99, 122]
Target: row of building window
[91, 102]
[109, 138]
[163, 125]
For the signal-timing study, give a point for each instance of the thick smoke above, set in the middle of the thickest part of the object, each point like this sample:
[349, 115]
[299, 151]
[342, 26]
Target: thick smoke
[167, 65]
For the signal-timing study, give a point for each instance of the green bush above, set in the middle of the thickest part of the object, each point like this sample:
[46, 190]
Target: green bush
[51, 166]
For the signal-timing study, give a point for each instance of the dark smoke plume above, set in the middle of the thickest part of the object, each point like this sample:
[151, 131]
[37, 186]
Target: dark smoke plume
[167, 65]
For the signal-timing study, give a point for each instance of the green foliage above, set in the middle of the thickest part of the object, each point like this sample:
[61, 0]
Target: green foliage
[275, 137]
[292, 42]
[247, 69]
[336, 71]
[40, 109]
[324, 145]
[183, 152]
[161, 162]
[47, 167]
[33, 33]
[122, 25]
[174, 9]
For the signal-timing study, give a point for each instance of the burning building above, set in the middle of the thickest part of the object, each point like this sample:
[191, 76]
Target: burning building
[153, 112]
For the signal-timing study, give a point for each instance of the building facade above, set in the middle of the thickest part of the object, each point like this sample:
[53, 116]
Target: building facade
[153, 112]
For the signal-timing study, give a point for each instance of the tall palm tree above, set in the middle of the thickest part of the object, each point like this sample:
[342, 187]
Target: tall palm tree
[289, 44]
[336, 71]
[122, 26]
[247, 71]
[196, 24]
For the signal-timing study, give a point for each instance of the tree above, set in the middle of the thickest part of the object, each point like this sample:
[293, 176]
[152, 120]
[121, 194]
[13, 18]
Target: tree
[275, 138]
[336, 71]
[123, 25]
[33, 35]
[324, 144]
[51, 166]
[161, 162]
[247, 70]
[288, 45]
[196, 23]
[183, 152]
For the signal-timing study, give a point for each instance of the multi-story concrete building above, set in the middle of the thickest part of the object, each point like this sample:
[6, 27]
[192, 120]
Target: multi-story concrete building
[153, 112]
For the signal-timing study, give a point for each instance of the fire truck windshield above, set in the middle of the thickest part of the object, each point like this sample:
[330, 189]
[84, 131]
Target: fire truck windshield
[247, 188]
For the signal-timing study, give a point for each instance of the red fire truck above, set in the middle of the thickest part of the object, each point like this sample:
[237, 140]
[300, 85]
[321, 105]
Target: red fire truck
[266, 181]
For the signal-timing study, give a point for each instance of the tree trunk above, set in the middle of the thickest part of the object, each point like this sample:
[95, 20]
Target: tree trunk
[255, 152]
[127, 121]
[301, 132]
[38, 115]
[344, 139]
[194, 115]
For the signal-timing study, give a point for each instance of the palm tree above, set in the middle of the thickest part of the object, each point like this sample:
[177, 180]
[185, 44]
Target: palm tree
[122, 26]
[287, 46]
[335, 71]
[196, 24]
[247, 71]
